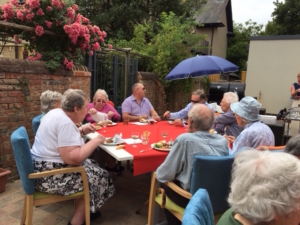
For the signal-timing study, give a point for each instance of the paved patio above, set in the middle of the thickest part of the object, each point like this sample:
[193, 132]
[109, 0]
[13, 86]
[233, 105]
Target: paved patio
[131, 192]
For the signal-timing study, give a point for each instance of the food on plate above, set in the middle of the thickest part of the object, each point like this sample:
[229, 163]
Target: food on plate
[142, 120]
[211, 131]
[146, 133]
[162, 145]
[109, 140]
[97, 127]
[120, 147]
[109, 122]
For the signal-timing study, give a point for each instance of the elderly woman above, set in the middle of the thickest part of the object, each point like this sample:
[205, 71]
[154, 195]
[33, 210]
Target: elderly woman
[293, 146]
[99, 104]
[265, 189]
[226, 123]
[59, 144]
[50, 100]
[255, 133]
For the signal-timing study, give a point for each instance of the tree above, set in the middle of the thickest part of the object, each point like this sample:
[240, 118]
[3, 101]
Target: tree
[286, 17]
[119, 17]
[236, 46]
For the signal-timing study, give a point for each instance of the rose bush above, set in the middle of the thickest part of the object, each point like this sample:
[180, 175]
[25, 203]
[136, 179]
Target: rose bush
[71, 36]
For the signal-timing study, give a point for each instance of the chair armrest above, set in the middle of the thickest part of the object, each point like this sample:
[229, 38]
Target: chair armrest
[79, 169]
[179, 190]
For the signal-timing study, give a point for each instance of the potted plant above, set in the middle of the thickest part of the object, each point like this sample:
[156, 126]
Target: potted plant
[3, 177]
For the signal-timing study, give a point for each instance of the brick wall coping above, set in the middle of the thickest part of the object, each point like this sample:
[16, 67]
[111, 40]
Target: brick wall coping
[37, 67]
[148, 76]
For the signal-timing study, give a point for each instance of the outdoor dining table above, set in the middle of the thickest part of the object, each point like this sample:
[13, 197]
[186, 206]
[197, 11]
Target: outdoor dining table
[143, 162]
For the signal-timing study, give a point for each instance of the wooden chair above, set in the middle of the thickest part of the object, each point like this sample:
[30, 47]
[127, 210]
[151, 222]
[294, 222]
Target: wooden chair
[209, 172]
[271, 148]
[21, 149]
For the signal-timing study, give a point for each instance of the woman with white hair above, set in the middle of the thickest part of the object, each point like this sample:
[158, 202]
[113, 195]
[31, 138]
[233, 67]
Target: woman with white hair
[58, 144]
[255, 132]
[100, 104]
[265, 189]
[226, 123]
[50, 100]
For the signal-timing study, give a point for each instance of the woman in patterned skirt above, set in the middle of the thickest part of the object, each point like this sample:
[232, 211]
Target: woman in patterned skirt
[58, 144]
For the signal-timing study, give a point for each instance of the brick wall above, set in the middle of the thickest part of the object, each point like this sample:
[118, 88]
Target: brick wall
[21, 83]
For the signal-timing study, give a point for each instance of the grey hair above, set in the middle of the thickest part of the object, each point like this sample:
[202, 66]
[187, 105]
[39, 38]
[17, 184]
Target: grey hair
[49, 99]
[72, 98]
[264, 184]
[201, 117]
[293, 145]
[230, 97]
[200, 93]
[102, 92]
[135, 86]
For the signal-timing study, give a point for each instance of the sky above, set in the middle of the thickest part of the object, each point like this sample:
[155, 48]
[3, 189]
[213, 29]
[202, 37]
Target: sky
[257, 10]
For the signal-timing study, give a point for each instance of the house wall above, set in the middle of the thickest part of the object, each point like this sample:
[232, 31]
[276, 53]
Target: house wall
[273, 64]
[219, 45]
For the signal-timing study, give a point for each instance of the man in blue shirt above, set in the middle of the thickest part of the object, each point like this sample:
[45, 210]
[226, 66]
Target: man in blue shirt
[198, 96]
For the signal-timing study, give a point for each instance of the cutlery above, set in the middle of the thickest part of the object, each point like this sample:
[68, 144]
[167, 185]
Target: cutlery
[146, 150]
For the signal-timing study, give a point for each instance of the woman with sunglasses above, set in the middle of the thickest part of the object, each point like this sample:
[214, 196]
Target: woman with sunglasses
[100, 104]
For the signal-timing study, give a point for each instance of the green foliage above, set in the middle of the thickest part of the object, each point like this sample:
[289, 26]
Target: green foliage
[163, 41]
[286, 16]
[236, 46]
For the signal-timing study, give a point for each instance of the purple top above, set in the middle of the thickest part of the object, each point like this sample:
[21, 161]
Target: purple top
[228, 119]
[131, 106]
[106, 108]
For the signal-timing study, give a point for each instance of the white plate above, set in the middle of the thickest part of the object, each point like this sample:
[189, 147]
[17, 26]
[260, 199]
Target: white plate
[111, 125]
[160, 149]
[143, 121]
[112, 144]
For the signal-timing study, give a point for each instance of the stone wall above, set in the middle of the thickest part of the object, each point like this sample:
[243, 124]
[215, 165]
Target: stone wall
[21, 83]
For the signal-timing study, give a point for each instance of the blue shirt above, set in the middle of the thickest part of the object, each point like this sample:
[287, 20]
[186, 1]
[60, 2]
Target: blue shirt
[131, 106]
[179, 162]
[184, 112]
[228, 120]
[253, 135]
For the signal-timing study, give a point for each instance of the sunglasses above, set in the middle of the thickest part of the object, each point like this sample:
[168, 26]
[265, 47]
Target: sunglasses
[101, 100]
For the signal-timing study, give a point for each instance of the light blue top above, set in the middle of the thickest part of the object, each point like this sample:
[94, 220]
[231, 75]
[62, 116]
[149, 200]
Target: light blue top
[179, 162]
[184, 112]
[253, 135]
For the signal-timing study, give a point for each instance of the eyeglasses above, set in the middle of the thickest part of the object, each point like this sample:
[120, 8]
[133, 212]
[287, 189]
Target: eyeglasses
[193, 101]
[101, 100]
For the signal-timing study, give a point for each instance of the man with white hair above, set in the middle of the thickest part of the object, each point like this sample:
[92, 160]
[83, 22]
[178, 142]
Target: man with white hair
[226, 123]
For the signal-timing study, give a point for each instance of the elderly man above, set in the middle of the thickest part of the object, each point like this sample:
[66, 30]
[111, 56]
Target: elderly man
[137, 106]
[255, 133]
[177, 166]
[198, 96]
[226, 123]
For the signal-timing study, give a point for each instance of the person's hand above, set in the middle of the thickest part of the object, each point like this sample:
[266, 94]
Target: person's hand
[92, 111]
[110, 114]
[100, 138]
[230, 139]
[88, 128]
[144, 116]
[178, 122]
[167, 114]
[156, 117]
[78, 124]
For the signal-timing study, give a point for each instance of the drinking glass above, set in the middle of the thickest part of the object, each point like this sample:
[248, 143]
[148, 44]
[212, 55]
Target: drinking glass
[134, 136]
[144, 140]
[104, 124]
[185, 123]
[164, 133]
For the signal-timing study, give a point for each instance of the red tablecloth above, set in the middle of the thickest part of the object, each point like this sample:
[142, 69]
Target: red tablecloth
[147, 161]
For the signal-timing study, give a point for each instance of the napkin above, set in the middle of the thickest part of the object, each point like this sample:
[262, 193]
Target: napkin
[130, 141]
[99, 116]
[117, 138]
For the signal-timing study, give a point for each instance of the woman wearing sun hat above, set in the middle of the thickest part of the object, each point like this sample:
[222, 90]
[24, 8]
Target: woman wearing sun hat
[255, 132]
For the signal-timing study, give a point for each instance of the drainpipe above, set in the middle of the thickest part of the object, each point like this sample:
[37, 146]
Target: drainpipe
[212, 38]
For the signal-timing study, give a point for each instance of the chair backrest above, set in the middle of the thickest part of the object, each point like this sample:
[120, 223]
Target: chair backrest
[120, 112]
[111, 103]
[21, 148]
[36, 123]
[213, 173]
[199, 210]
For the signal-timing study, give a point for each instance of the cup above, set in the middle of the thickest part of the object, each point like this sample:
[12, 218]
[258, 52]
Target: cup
[125, 122]
[145, 140]
[151, 120]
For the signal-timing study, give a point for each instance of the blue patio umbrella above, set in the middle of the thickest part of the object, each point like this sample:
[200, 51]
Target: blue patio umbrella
[199, 66]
